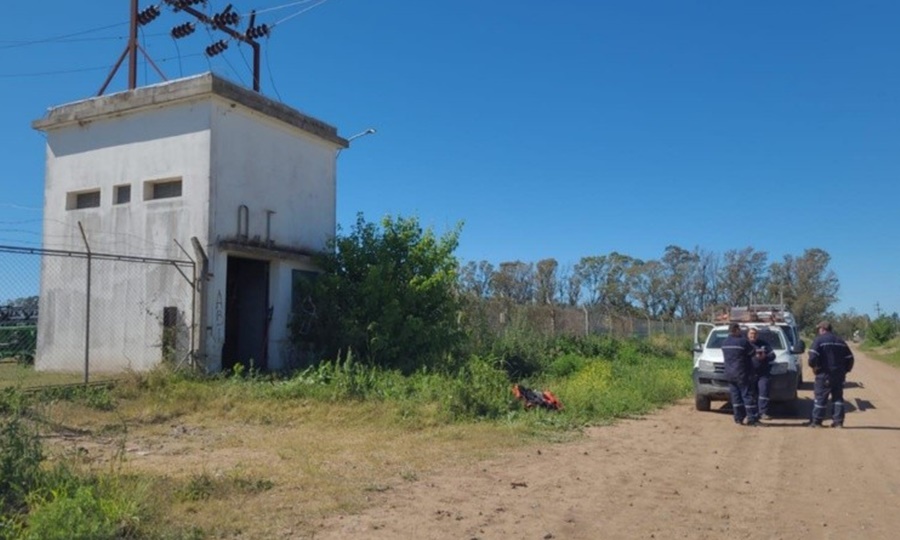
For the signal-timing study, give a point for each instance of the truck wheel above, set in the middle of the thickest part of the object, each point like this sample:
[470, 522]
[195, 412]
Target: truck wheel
[702, 403]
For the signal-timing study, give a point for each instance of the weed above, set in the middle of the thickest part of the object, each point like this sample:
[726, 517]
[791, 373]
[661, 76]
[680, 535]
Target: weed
[21, 455]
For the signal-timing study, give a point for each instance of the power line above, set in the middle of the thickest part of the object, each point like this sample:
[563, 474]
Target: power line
[75, 37]
[60, 37]
[297, 14]
[284, 6]
[82, 70]
[18, 43]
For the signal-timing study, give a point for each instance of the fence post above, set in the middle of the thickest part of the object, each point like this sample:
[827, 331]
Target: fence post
[87, 305]
[199, 302]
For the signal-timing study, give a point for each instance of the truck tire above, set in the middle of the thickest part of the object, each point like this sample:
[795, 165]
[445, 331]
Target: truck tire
[702, 403]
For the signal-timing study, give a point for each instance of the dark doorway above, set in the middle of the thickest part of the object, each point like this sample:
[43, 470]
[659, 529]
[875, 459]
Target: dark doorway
[246, 314]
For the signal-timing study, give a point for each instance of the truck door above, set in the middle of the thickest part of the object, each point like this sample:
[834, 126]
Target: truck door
[701, 332]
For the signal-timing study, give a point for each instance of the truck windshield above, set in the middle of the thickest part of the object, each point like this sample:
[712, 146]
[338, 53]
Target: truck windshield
[774, 339]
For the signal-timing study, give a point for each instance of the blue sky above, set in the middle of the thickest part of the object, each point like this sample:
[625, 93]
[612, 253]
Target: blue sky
[550, 129]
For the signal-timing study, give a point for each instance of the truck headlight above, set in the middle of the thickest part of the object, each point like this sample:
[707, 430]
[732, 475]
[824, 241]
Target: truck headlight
[779, 368]
[706, 365]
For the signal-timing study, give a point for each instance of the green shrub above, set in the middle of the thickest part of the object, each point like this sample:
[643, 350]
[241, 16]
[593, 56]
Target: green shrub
[388, 291]
[881, 330]
[566, 365]
[69, 516]
[73, 506]
[21, 455]
[480, 390]
[522, 352]
[579, 391]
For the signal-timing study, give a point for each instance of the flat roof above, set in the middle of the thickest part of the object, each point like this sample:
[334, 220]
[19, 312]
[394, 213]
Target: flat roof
[186, 89]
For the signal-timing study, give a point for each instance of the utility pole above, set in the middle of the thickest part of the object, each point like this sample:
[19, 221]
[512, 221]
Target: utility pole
[222, 21]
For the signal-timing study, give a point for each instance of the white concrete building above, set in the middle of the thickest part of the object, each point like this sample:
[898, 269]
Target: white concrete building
[252, 180]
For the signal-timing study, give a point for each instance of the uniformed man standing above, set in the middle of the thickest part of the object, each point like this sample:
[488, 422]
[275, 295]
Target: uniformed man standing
[738, 353]
[831, 360]
[763, 356]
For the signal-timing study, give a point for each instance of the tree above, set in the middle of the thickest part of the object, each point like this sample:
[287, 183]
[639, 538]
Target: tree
[514, 281]
[591, 272]
[545, 282]
[807, 285]
[649, 290]
[569, 286]
[608, 279]
[704, 285]
[742, 275]
[475, 279]
[677, 265]
[619, 286]
[388, 294]
[846, 324]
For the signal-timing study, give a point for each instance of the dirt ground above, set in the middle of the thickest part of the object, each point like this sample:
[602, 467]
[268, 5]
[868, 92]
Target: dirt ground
[678, 473]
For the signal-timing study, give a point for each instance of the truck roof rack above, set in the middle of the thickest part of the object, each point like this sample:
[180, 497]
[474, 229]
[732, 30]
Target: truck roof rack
[764, 313]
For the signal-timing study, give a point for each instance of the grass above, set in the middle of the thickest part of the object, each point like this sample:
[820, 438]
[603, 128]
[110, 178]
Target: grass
[888, 352]
[14, 374]
[250, 456]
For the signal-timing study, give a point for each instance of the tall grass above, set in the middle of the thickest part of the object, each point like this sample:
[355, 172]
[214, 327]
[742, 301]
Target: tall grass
[597, 380]
[887, 352]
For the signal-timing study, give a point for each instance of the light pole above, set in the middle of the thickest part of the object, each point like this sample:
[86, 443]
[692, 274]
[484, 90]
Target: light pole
[361, 134]
[352, 138]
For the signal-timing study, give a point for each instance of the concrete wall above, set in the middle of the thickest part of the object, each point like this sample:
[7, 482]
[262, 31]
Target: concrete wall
[231, 148]
[127, 298]
[267, 167]
[148, 145]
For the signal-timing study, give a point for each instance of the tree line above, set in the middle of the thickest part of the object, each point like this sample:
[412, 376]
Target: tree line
[681, 284]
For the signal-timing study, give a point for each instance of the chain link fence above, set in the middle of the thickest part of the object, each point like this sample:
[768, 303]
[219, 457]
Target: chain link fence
[95, 314]
[552, 321]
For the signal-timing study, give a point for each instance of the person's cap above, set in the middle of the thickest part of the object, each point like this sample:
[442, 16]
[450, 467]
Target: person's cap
[825, 325]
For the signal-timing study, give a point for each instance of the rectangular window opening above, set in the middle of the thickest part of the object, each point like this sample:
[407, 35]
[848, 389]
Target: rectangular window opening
[162, 189]
[84, 199]
[122, 194]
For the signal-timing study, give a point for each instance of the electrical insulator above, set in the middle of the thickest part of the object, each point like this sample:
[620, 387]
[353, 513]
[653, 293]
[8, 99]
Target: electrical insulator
[216, 48]
[183, 30]
[258, 31]
[226, 18]
[146, 16]
[178, 5]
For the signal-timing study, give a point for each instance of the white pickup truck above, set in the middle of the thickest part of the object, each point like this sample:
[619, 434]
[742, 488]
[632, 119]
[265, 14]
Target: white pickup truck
[710, 383]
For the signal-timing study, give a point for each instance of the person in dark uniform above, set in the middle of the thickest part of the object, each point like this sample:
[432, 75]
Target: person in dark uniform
[738, 353]
[763, 356]
[831, 360]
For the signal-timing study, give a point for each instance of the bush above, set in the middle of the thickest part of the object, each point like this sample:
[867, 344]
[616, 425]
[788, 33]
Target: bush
[387, 293]
[881, 330]
[79, 515]
[21, 455]
[480, 390]
[521, 352]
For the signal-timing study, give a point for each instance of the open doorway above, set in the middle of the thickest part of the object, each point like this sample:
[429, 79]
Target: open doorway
[247, 314]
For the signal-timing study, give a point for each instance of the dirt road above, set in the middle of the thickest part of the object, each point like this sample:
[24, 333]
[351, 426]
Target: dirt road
[678, 473]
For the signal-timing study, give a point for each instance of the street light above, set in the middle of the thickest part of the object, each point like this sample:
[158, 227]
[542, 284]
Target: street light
[351, 138]
[361, 134]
